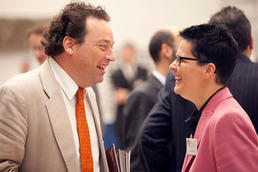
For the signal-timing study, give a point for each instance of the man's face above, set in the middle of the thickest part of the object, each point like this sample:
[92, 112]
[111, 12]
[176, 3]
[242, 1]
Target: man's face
[38, 49]
[94, 54]
[188, 74]
[128, 54]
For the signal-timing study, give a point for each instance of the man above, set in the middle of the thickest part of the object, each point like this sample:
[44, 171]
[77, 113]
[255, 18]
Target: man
[224, 138]
[164, 131]
[35, 36]
[244, 82]
[40, 111]
[124, 80]
[162, 48]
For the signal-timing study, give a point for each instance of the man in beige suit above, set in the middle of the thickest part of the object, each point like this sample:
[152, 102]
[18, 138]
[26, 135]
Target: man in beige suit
[38, 128]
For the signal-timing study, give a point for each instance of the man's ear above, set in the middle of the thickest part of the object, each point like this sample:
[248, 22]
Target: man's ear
[209, 70]
[69, 44]
[252, 42]
[166, 50]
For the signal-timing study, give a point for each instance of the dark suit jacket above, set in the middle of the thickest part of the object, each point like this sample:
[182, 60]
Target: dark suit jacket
[162, 141]
[119, 81]
[138, 105]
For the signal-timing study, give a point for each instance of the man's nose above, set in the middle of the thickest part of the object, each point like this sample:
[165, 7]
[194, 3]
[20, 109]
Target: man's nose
[110, 56]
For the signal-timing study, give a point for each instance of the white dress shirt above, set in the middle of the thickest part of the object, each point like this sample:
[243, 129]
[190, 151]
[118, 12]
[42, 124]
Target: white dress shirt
[69, 88]
[160, 77]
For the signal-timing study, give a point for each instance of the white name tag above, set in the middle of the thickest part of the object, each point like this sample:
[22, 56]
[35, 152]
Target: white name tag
[191, 146]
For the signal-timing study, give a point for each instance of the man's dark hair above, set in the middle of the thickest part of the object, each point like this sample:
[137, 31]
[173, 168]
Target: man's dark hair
[71, 22]
[159, 38]
[237, 23]
[213, 44]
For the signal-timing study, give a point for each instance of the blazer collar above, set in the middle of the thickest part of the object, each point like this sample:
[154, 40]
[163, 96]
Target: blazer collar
[217, 99]
[209, 109]
[59, 117]
[242, 58]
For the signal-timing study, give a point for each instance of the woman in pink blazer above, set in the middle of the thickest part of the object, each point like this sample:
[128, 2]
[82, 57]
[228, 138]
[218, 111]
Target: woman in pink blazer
[224, 137]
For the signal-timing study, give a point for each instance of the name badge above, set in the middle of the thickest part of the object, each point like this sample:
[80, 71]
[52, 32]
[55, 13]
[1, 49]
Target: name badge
[191, 146]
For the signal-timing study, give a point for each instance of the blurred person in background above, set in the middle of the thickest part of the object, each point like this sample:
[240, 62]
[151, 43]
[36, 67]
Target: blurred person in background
[124, 80]
[162, 143]
[244, 82]
[35, 36]
[162, 48]
[49, 120]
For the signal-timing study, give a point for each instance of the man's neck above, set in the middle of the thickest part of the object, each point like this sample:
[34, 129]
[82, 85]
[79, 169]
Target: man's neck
[162, 68]
[247, 52]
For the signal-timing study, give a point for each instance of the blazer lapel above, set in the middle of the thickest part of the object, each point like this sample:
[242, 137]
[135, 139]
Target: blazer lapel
[94, 111]
[59, 118]
[198, 135]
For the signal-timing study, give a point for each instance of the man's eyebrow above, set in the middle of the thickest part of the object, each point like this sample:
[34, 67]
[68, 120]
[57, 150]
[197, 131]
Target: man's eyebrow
[107, 41]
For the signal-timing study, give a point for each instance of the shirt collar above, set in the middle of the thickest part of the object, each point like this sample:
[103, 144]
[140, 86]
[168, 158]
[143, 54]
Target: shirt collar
[160, 77]
[193, 119]
[64, 80]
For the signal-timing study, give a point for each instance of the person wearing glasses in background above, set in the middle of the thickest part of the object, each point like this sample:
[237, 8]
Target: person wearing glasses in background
[162, 145]
[224, 138]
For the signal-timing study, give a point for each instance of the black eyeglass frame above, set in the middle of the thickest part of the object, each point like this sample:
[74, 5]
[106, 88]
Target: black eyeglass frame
[180, 58]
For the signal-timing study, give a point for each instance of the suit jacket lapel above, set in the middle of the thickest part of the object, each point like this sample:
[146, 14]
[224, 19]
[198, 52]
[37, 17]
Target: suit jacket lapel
[156, 83]
[59, 118]
[94, 111]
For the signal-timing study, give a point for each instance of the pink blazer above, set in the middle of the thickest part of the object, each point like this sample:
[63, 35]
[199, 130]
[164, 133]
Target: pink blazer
[226, 138]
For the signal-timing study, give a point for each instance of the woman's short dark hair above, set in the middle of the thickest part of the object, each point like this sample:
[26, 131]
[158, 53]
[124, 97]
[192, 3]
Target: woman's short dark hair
[70, 22]
[214, 44]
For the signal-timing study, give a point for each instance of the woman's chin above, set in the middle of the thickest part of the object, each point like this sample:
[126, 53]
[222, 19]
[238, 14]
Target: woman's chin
[177, 91]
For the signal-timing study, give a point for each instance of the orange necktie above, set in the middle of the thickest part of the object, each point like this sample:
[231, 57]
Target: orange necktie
[84, 134]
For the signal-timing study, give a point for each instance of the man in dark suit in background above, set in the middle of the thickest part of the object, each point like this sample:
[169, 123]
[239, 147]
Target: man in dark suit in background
[124, 80]
[244, 82]
[162, 48]
[163, 136]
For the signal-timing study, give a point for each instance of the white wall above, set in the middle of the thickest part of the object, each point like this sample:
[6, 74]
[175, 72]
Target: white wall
[133, 20]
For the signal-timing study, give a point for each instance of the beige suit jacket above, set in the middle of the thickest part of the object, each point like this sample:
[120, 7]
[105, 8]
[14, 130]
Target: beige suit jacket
[35, 131]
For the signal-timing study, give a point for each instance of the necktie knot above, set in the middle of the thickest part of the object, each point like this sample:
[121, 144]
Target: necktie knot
[80, 94]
